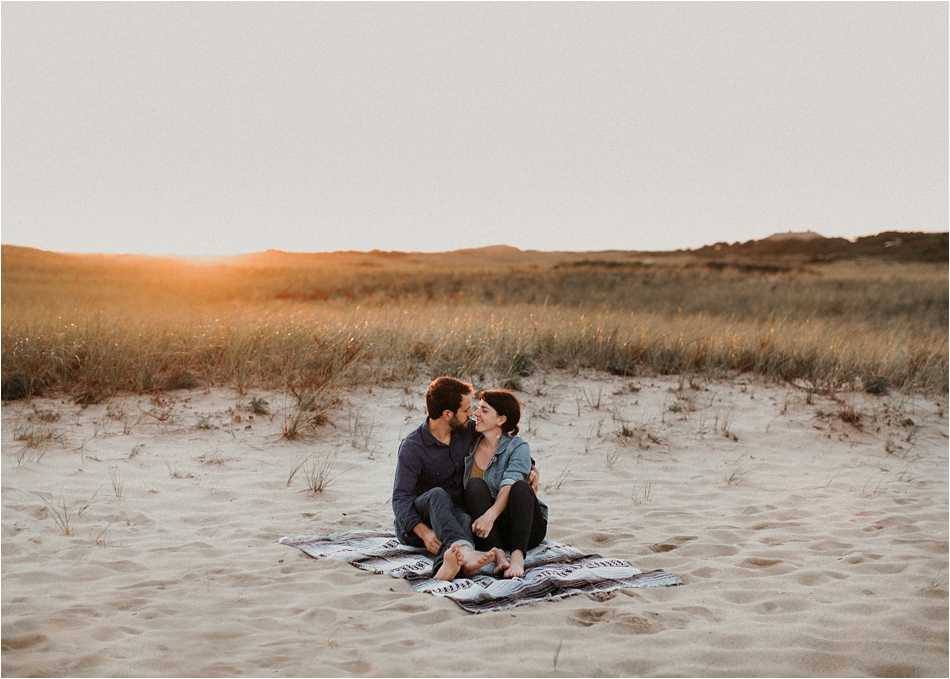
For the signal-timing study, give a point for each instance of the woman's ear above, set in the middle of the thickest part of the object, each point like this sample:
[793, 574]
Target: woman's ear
[502, 419]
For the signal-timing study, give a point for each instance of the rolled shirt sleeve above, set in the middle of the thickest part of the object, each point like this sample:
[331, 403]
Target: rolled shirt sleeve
[519, 464]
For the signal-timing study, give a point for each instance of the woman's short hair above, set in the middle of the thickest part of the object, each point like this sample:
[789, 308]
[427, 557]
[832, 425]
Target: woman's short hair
[504, 403]
[445, 393]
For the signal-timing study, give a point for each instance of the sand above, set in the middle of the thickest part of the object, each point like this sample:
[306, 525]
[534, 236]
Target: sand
[809, 545]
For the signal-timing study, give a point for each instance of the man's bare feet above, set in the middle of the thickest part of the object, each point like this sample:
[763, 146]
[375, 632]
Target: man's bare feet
[501, 561]
[451, 564]
[471, 561]
[516, 568]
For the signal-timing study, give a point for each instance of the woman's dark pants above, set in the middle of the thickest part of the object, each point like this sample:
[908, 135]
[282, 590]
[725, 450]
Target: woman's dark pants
[520, 526]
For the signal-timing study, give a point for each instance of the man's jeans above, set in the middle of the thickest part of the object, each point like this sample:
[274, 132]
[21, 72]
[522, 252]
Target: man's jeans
[450, 523]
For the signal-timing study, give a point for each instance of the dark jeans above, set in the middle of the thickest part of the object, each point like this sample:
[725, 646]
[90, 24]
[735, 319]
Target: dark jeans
[520, 526]
[450, 523]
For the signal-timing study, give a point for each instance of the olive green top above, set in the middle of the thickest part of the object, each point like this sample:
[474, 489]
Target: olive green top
[477, 472]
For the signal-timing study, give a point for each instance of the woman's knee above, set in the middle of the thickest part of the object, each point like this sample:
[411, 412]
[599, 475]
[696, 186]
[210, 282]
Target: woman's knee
[476, 488]
[522, 489]
[478, 497]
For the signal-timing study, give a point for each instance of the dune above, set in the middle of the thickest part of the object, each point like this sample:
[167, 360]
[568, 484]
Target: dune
[810, 531]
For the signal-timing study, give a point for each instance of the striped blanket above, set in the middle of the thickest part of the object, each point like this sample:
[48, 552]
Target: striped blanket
[553, 570]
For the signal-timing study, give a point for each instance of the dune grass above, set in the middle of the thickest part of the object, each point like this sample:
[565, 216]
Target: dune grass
[94, 326]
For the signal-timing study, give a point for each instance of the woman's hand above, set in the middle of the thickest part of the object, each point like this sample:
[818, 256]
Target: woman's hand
[483, 525]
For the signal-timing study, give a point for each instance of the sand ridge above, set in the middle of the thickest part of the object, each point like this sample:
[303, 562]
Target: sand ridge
[810, 530]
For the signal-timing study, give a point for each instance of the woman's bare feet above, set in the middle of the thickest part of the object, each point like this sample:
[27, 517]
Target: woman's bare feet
[471, 561]
[516, 567]
[501, 561]
[451, 564]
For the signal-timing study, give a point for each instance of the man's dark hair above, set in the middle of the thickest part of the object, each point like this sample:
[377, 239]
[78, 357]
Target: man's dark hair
[445, 393]
[505, 403]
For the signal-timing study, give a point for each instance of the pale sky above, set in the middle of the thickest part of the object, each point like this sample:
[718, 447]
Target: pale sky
[226, 128]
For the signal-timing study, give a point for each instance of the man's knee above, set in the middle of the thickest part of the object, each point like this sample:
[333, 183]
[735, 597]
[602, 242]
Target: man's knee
[433, 497]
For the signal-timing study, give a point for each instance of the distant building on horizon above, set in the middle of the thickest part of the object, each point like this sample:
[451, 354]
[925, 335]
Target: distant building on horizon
[796, 235]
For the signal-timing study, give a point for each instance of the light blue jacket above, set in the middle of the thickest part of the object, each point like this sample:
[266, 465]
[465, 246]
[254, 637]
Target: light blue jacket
[511, 462]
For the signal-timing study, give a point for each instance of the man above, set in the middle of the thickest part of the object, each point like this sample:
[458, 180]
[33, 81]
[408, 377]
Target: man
[428, 492]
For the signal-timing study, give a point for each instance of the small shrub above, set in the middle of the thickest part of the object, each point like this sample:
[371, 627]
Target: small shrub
[91, 397]
[40, 415]
[204, 422]
[849, 415]
[18, 387]
[624, 368]
[455, 369]
[183, 381]
[309, 411]
[34, 433]
[520, 363]
[876, 384]
[512, 382]
[259, 406]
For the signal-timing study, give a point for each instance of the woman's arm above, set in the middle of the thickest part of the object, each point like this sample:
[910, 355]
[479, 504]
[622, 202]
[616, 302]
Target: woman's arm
[518, 465]
[483, 524]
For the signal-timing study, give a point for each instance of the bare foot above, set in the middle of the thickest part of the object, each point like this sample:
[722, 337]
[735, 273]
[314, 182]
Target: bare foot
[516, 569]
[451, 564]
[501, 561]
[471, 560]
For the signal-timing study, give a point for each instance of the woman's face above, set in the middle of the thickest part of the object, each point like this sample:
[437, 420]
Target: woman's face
[487, 419]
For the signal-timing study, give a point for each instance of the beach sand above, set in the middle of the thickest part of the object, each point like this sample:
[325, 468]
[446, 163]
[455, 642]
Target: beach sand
[810, 533]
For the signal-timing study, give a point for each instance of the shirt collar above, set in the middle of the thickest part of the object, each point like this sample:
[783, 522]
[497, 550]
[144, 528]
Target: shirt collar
[428, 438]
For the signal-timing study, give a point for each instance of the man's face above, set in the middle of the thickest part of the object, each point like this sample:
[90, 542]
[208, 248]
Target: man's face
[459, 421]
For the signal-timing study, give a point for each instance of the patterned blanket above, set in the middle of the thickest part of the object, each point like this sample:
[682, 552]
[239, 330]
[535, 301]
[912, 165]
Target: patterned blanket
[553, 570]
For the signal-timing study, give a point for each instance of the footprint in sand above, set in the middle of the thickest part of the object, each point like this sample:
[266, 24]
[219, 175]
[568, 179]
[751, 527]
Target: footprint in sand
[609, 538]
[638, 625]
[19, 642]
[671, 543]
[624, 623]
[759, 562]
[589, 616]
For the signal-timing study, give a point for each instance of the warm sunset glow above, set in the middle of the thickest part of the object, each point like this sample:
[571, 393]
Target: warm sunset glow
[96, 323]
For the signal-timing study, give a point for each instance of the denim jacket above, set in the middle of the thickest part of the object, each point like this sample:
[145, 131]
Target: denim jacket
[512, 462]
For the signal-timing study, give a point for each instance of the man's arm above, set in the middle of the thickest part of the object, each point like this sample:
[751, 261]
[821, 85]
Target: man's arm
[408, 468]
[534, 478]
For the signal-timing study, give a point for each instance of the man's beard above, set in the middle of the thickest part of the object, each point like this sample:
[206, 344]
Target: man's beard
[458, 424]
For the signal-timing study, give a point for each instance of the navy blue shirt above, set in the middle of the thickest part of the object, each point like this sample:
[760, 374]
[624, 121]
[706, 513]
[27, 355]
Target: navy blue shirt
[424, 463]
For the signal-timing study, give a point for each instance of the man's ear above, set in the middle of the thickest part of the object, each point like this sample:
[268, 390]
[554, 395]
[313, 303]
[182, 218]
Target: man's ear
[447, 415]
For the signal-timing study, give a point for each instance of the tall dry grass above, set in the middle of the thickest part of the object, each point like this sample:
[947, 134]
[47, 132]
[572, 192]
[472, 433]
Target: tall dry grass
[93, 326]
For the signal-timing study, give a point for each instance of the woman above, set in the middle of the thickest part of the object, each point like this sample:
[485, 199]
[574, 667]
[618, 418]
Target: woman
[510, 516]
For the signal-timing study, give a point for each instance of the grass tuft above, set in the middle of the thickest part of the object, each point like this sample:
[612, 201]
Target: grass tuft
[63, 514]
[319, 472]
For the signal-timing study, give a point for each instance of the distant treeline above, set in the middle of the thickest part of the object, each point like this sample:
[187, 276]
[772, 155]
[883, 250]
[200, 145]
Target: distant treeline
[892, 245]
